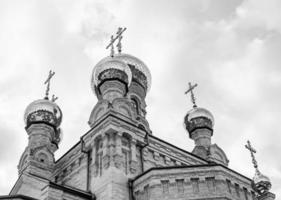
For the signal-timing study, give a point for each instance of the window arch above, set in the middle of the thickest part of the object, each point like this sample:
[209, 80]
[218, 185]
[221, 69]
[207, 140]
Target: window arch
[136, 105]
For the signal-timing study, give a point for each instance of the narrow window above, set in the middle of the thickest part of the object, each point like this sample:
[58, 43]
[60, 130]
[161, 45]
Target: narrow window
[165, 186]
[146, 195]
[245, 193]
[136, 105]
[195, 184]
[100, 163]
[80, 160]
[210, 183]
[237, 190]
[56, 179]
[180, 185]
[253, 195]
[126, 161]
[137, 195]
[228, 185]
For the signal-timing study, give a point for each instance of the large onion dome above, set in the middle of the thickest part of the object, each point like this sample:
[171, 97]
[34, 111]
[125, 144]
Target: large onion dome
[198, 118]
[261, 182]
[44, 111]
[124, 67]
[110, 68]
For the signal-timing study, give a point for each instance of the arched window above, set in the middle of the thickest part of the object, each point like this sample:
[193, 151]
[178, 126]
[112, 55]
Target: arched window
[136, 105]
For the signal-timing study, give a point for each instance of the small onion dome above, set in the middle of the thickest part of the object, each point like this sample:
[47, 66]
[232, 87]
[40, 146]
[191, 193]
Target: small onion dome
[261, 183]
[198, 118]
[110, 68]
[44, 111]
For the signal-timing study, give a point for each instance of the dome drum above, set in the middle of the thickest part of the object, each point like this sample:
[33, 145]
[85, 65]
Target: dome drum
[112, 89]
[137, 90]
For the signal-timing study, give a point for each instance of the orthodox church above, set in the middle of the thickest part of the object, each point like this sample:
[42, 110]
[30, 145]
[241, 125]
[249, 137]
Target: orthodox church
[119, 158]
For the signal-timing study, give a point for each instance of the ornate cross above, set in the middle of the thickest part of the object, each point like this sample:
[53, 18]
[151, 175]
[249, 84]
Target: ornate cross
[51, 74]
[113, 39]
[191, 87]
[252, 150]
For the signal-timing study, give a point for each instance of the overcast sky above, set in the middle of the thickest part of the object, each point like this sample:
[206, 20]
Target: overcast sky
[230, 48]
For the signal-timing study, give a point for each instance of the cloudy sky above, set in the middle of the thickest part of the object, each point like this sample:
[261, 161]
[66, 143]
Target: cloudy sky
[230, 48]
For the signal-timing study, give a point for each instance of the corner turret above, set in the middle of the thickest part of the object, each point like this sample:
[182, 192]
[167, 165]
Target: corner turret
[42, 123]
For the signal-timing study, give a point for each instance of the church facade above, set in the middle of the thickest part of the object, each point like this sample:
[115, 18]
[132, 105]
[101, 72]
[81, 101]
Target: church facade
[119, 158]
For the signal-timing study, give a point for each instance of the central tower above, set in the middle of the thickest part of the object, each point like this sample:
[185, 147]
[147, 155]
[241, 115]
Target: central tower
[118, 122]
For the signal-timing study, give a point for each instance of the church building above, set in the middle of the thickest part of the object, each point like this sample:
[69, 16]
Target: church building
[119, 158]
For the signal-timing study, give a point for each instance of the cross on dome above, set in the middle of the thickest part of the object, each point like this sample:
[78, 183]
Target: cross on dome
[191, 88]
[252, 151]
[51, 74]
[113, 39]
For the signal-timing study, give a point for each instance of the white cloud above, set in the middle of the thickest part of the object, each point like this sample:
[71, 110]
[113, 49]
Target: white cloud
[230, 48]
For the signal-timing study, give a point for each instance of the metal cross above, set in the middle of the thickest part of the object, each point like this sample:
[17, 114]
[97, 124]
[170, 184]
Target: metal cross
[51, 74]
[120, 37]
[252, 150]
[191, 87]
[113, 39]
[111, 45]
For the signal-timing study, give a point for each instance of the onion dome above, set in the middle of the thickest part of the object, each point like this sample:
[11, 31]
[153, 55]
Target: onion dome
[124, 67]
[44, 111]
[198, 118]
[261, 183]
[110, 68]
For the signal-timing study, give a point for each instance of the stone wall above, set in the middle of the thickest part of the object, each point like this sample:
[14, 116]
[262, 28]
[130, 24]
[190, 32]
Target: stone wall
[198, 182]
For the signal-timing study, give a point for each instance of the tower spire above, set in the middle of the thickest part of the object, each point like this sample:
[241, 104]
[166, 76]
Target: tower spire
[190, 89]
[51, 74]
[113, 39]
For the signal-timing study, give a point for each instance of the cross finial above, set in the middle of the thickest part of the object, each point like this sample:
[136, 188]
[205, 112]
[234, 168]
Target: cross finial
[51, 74]
[252, 151]
[113, 39]
[190, 89]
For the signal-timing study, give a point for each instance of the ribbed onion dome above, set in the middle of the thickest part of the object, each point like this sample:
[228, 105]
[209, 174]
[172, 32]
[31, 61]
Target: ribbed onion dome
[261, 183]
[123, 67]
[198, 118]
[44, 111]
